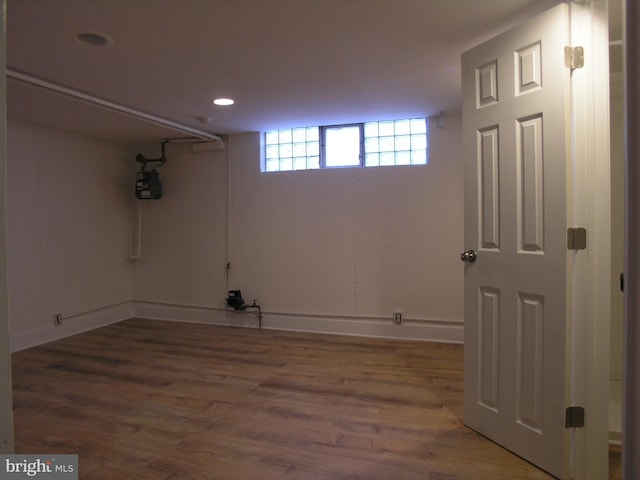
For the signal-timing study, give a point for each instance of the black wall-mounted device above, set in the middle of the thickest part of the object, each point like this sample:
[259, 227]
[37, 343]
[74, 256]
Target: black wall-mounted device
[148, 185]
[235, 300]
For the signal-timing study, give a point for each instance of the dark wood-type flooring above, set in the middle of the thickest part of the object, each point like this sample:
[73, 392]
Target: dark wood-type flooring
[146, 399]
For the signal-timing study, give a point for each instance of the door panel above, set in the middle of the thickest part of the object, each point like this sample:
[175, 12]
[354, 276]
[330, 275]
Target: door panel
[530, 186]
[489, 191]
[515, 128]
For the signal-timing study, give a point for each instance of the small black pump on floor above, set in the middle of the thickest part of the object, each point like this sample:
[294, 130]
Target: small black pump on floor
[235, 301]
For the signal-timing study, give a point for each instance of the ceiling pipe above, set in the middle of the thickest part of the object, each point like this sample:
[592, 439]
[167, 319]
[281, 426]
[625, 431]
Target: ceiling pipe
[106, 104]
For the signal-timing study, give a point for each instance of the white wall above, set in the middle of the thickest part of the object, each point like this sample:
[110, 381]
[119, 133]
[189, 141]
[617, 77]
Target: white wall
[184, 240]
[341, 250]
[68, 232]
[335, 251]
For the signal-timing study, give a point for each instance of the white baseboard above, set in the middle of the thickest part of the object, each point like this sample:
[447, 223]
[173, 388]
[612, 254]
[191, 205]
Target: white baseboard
[410, 329]
[182, 313]
[422, 330]
[78, 323]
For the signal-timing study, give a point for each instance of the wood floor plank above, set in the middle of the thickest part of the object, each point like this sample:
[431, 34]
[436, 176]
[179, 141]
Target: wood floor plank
[167, 400]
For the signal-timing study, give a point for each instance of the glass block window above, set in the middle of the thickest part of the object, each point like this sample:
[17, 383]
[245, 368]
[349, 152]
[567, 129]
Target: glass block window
[369, 144]
[292, 149]
[395, 142]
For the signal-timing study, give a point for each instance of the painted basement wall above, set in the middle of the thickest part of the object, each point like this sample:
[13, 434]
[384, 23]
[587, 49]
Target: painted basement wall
[69, 199]
[341, 250]
[335, 251]
[181, 274]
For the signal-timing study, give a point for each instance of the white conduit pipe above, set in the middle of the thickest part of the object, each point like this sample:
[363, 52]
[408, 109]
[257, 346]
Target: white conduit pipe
[106, 104]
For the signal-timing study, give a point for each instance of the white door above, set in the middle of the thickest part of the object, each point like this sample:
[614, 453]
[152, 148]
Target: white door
[515, 129]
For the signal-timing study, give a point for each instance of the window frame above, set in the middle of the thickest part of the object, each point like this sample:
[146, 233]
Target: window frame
[323, 144]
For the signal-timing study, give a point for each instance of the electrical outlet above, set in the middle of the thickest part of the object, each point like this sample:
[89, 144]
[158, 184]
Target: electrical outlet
[57, 319]
[397, 318]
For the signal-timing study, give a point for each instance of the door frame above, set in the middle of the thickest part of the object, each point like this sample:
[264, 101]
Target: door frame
[6, 415]
[590, 191]
[631, 395]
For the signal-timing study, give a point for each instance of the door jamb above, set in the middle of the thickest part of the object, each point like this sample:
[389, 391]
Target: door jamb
[590, 207]
[6, 415]
[631, 395]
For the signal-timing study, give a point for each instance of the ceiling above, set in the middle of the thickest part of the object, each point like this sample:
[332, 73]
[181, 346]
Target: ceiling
[287, 63]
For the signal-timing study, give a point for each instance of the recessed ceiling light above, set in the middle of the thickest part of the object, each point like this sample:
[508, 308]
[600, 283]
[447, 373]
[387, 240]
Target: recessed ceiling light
[224, 101]
[94, 39]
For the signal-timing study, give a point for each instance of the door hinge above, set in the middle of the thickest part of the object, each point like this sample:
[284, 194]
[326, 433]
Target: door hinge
[574, 57]
[574, 417]
[576, 238]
